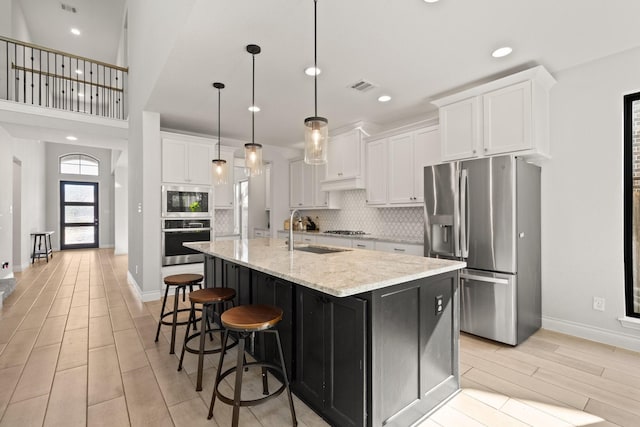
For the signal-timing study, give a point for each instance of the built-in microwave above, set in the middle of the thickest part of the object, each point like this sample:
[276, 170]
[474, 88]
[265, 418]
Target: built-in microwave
[186, 202]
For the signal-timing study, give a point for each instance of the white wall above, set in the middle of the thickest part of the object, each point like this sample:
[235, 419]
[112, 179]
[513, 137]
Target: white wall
[121, 206]
[105, 189]
[32, 156]
[6, 196]
[582, 200]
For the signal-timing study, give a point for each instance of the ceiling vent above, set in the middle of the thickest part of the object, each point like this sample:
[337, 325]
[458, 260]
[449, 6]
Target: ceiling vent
[362, 86]
[68, 8]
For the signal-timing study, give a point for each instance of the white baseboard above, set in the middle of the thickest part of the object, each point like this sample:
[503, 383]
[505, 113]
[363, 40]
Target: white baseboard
[107, 246]
[144, 296]
[605, 336]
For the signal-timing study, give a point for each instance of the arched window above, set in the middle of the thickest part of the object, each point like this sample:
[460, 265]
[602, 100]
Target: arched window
[79, 164]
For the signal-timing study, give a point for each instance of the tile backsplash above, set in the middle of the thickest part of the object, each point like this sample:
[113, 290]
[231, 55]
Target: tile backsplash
[356, 215]
[223, 221]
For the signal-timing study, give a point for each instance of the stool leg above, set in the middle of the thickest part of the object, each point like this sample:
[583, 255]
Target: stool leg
[33, 254]
[50, 247]
[209, 326]
[201, 353]
[164, 304]
[175, 320]
[286, 379]
[265, 382]
[215, 384]
[237, 392]
[192, 318]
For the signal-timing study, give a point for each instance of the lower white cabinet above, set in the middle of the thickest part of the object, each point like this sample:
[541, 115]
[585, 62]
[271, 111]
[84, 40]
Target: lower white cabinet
[363, 244]
[333, 241]
[400, 248]
[308, 239]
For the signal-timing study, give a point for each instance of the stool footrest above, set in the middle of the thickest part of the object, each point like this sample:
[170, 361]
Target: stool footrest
[251, 402]
[210, 351]
[181, 310]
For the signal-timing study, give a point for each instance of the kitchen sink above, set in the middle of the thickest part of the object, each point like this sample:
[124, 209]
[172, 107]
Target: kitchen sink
[320, 249]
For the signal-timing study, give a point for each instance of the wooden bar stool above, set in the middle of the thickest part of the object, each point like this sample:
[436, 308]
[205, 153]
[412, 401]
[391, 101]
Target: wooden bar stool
[244, 321]
[179, 281]
[208, 297]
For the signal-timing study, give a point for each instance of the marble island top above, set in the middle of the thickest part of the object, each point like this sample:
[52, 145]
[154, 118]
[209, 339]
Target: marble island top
[339, 274]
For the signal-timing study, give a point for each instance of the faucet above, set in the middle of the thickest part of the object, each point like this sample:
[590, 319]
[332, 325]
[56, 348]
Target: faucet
[293, 212]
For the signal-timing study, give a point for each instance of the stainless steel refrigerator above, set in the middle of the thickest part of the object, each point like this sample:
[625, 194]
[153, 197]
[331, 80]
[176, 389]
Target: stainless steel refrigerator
[487, 213]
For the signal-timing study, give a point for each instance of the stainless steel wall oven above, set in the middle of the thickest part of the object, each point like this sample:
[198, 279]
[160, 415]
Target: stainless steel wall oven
[175, 232]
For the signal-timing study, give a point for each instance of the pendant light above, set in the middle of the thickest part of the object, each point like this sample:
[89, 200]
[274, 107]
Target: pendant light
[219, 165]
[316, 128]
[253, 151]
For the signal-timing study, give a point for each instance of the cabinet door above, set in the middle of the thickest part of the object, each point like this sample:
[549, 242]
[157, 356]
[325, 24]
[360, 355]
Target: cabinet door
[273, 291]
[320, 198]
[296, 183]
[377, 172]
[426, 152]
[199, 163]
[310, 354]
[345, 355]
[507, 119]
[460, 129]
[223, 194]
[238, 278]
[267, 187]
[174, 161]
[344, 156]
[308, 185]
[333, 241]
[401, 165]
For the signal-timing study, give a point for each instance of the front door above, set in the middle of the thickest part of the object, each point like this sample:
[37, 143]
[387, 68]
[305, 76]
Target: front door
[78, 215]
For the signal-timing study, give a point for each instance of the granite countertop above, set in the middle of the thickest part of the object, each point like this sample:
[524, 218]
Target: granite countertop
[339, 274]
[395, 239]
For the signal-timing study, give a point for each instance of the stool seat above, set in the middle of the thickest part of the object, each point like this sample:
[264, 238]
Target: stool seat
[183, 279]
[251, 318]
[211, 295]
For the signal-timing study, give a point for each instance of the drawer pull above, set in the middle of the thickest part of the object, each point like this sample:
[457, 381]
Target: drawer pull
[398, 249]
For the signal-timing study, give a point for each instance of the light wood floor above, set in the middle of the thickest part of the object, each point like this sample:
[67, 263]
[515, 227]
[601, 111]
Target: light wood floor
[77, 348]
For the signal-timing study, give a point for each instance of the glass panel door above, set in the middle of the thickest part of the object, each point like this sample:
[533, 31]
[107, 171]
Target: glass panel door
[78, 214]
[632, 203]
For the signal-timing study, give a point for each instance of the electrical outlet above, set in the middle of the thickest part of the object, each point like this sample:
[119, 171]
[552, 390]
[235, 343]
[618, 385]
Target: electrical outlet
[598, 303]
[439, 305]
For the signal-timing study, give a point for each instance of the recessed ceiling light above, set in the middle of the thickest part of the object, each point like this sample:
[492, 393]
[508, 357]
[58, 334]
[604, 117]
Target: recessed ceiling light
[430, 1]
[72, 138]
[384, 98]
[78, 71]
[501, 52]
[254, 108]
[312, 71]
[75, 31]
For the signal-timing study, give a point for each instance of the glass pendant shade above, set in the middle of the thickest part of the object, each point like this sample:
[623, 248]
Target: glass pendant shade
[253, 159]
[219, 170]
[315, 140]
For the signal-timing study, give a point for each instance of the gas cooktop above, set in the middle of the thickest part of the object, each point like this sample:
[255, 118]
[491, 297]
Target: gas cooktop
[346, 232]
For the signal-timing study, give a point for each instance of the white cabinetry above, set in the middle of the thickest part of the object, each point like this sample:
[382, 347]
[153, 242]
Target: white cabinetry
[400, 248]
[267, 187]
[377, 172]
[396, 164]
[334, 241]
[508, 115]
[363, 244]
[223, 194]
[304, 187]
[346, 160]
[186, 162]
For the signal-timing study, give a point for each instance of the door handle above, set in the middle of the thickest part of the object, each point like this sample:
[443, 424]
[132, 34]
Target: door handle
[484, 279]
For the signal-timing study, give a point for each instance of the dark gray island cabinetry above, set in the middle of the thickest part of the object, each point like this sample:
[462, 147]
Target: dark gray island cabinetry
[370, 339]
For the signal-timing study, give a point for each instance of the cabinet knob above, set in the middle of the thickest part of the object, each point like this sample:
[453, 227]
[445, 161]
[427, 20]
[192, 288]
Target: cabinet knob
[486, 149]
[474, 151]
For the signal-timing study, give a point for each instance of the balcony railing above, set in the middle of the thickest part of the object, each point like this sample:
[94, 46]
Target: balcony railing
[36, 75]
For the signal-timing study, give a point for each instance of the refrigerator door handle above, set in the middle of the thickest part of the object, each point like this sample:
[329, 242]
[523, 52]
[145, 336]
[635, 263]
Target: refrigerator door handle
[464, 213]
[484, 279]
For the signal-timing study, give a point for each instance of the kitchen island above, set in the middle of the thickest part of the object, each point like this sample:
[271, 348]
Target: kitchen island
[370, 338]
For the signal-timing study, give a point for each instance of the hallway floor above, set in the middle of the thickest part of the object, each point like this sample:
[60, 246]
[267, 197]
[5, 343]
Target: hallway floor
[77, 348]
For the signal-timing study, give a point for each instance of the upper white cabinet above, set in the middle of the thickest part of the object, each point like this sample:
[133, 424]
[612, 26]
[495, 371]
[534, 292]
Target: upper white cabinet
[186, 162]
[395, 166]
[267, 187]
[508, 115]
[377, 172]
[346, 160]
[223, 194]
[304, 187]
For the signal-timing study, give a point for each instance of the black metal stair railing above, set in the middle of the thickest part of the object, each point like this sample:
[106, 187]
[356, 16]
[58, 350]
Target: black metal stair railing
[36, 75]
